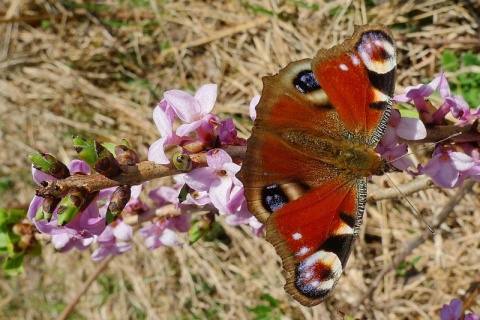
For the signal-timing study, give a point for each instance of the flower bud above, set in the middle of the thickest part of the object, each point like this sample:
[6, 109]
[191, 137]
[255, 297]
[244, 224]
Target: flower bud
[126, 156]
[182, 162]
[70, 206]
[106, 163]
[119, 200]
[50, 165]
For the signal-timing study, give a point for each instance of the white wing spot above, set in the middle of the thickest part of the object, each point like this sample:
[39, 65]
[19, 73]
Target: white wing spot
[355, 60]
[296, 236]
[343, 67]
[303, 251]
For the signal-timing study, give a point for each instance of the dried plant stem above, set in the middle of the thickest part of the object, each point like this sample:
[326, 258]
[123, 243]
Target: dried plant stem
[71, 306]
[131, 175]
[410, 246]
[419, 184]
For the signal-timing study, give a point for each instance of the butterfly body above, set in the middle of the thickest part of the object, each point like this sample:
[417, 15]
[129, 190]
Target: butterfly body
[311, 149]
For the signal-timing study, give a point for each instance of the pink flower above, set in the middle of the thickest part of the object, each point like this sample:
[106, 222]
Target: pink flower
[243, 216]
[135, 205]
[453, 311]
[224, 189]
[228, 134]
[448, 168]
[454, 104]
[194, 111]
[116, 239]
[402, 127]
[163, 116]
[396, 156]
[157, 235]
[66, 241]
[418, 93]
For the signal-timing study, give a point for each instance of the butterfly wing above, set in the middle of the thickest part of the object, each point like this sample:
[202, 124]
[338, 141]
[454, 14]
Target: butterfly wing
[364, 65]
[311, 206]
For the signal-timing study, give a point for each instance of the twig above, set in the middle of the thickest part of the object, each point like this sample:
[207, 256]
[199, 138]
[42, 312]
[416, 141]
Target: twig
[71, 306]
[419, 184]
[131, 175]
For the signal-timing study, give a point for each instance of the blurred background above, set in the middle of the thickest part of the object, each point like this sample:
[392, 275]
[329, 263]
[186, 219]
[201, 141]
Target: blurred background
[97, 69]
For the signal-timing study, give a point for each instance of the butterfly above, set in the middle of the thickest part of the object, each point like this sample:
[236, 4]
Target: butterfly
[311, 149]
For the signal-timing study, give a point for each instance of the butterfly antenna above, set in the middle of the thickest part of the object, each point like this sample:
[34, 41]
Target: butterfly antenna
[427, 146]
[417, 214]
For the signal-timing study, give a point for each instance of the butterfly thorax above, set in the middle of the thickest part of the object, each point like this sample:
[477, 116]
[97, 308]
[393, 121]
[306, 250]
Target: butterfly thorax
[351, 156]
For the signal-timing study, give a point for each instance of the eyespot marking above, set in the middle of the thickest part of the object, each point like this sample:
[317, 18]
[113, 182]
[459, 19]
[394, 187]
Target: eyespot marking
[273, 198]
[317, 275]
[377, 52]
[306, 82]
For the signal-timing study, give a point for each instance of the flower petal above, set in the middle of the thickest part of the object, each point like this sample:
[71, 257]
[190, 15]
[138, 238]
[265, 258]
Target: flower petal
[185, 106]
[206, 96]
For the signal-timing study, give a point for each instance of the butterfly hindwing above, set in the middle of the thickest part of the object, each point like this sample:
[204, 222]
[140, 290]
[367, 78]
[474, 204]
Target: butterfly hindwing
[310, 151]
[316, 234]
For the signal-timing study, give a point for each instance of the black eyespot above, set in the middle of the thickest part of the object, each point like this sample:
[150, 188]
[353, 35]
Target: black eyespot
[306, 82]
[273, 198]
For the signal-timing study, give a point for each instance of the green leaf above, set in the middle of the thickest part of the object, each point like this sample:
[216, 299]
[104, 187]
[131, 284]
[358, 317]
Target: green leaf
[13, 265]
[470, 59]
[449, 61]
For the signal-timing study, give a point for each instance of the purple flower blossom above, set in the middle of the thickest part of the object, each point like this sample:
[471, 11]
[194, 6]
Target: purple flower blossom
[135, 205]
[66, 241]
[115, 239]
[194, 112]
[163, 116]
[157, 235]
[400, 127]
[448, 168]
[396, 156]
[224, 189]
[418, 93]
[228, 134]
[454, 104]
[453, 311]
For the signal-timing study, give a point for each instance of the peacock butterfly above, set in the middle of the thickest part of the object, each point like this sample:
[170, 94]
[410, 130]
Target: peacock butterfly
[311, 149]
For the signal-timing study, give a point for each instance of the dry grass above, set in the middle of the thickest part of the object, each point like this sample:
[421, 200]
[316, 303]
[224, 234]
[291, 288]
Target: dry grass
[97, 70]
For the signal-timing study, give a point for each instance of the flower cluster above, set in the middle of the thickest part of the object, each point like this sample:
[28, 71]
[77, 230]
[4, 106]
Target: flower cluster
[200, 130]
[451, 164]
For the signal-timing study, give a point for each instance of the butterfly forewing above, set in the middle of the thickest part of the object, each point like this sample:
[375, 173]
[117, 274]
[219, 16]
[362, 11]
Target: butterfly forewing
[310, 151]
[359, 78]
